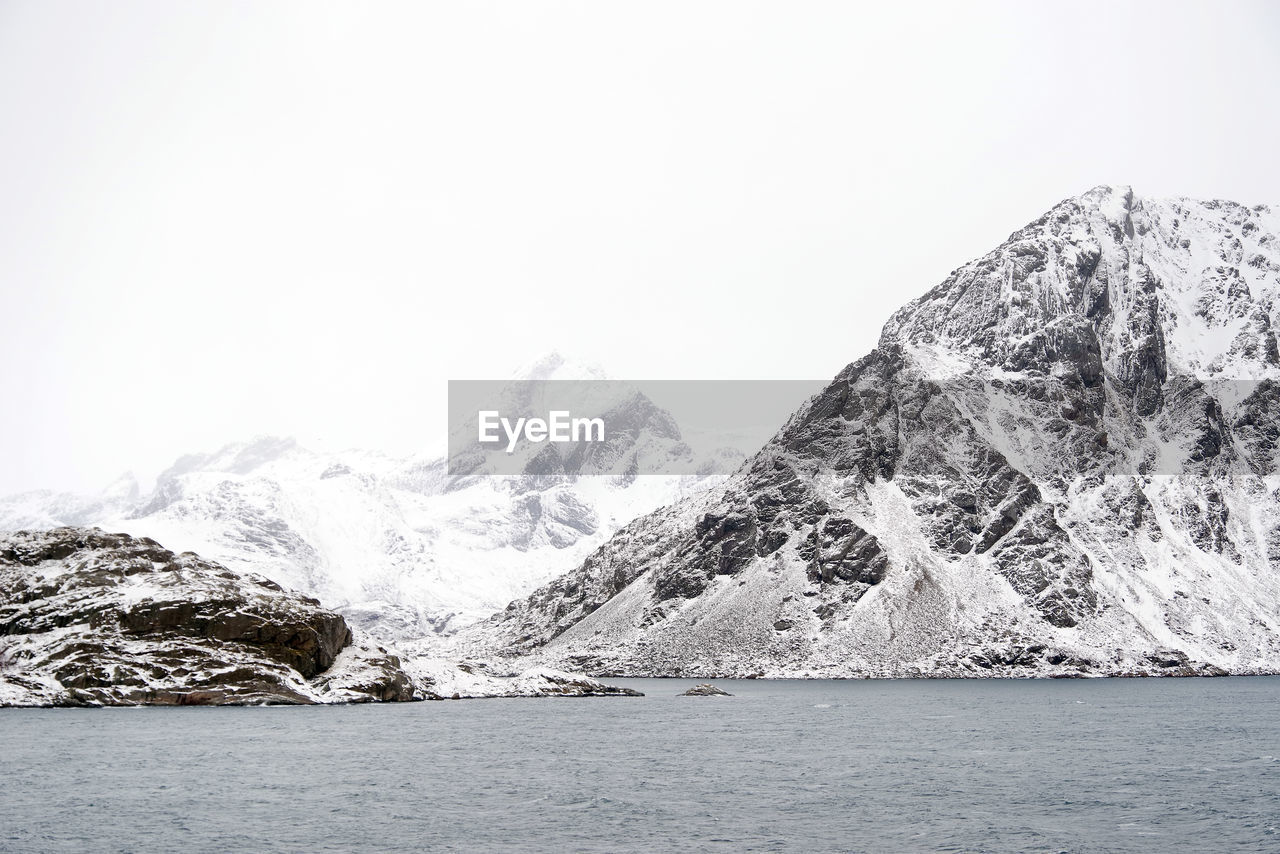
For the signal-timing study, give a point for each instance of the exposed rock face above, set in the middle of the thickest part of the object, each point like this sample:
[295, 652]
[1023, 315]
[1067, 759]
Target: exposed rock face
[1060, 461]
[92, 618]
[706, 689]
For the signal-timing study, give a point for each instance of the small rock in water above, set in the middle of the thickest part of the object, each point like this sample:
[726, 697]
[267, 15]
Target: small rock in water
[706, 689]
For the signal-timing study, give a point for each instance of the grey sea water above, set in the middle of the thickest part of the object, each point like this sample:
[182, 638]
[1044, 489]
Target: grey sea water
[1160, 765]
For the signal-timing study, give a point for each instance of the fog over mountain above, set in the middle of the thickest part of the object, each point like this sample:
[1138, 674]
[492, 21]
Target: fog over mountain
[397, 545]
[225, 220]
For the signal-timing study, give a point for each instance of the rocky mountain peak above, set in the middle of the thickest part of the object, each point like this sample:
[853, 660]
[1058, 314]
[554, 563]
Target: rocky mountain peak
[1051, 463]
[1151, 287]
[554, 365]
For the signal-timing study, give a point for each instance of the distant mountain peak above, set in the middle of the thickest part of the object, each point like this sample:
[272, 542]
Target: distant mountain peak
[240, 457]
[553, 365]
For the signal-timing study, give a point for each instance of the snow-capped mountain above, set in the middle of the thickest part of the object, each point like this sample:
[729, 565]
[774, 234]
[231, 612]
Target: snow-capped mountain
[399, 546]
[1059, 461]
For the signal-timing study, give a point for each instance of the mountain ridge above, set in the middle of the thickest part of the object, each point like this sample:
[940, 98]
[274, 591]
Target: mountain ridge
[1044, 466]
[400, 546]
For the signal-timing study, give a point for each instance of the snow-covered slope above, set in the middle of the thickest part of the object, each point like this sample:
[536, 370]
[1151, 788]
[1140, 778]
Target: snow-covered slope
[1061, 460]
[398, 546]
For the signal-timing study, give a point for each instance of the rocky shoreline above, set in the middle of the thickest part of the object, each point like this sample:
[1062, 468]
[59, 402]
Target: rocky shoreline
[90, 618]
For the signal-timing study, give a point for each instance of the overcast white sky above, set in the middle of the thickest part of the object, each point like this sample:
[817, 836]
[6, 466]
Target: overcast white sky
[223, 219]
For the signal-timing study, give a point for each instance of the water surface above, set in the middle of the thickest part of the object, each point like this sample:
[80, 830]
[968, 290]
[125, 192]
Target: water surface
[1160, 765]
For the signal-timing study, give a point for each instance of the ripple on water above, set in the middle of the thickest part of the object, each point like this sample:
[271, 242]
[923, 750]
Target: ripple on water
[1118, 765]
